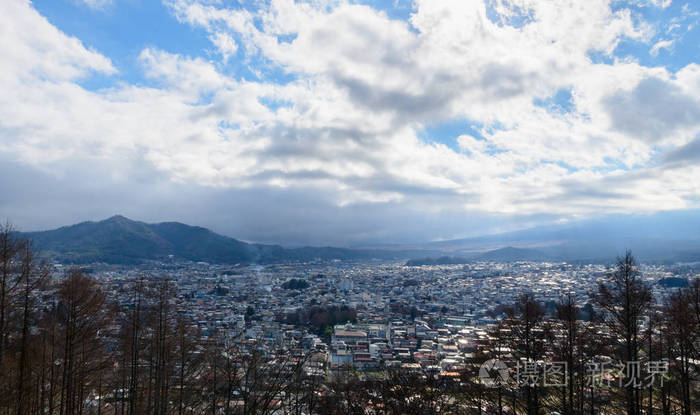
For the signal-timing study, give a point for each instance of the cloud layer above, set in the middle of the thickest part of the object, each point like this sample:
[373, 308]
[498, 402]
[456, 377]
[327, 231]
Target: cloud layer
[338, 112]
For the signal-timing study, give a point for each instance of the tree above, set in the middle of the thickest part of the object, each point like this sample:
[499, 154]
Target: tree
[568, 314]
[683, 330]
[10, 248]
[576, 342]
[625, 300]
[81, 317]
[161, 348]
[527, 338]
[188, 363]
[499, 339]
[32, 275]
[346, 395]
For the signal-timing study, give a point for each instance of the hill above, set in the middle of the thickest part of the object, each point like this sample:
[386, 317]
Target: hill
[507, 254]
[667, 237]
[510, 254]
[443, 260]
[119, 240]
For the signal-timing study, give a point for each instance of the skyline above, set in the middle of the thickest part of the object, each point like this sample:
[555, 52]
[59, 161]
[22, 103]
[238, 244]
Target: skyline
[333, 122]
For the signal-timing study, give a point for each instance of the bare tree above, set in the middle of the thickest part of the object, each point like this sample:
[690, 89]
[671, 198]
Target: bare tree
[189, 363]
[625, 300]
[527, 340]
[576, 342]
[32, 276]
[10, 248]
[683, 330]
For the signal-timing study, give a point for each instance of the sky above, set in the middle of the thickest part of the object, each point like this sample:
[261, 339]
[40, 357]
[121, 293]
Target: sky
[348, 122]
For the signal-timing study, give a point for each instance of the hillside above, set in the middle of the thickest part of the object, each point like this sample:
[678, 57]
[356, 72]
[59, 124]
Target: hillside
[510, 253]
[507, 254]
[119, 240]
[665, 237]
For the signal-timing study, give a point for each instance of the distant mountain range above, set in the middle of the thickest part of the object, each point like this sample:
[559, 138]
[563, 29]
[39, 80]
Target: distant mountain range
[669, 237]
[661, 237]
[507, 254]
[119, 240]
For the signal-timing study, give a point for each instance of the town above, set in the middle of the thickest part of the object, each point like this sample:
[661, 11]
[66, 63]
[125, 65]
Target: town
[346, 337]
[427, 318]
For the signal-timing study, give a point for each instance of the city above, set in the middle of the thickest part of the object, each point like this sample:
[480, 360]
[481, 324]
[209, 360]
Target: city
[177, 336]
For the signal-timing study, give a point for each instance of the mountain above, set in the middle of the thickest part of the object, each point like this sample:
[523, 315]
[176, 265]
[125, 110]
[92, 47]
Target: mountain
[667, 237]
[443, 260]
[510, 254]
[660, 237]
[119, 240]
[507, 254]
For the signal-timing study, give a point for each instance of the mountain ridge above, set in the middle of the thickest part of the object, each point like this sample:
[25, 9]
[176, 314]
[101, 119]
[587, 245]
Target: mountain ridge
[505, 254]
[660, 237]
[120, 240]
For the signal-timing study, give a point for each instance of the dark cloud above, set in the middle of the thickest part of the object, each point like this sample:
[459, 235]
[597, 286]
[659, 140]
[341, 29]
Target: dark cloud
[501, 81]
[600, 193]
[297, 141]
[653, 110]
[436, 96]
[304, 215]
[687, 153]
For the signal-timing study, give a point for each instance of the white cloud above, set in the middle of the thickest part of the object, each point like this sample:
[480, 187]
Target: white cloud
[349, 124]
[35, 49]
[97, 4]
[470, 144]
[661, 44]
[661, 3]
[226, 45]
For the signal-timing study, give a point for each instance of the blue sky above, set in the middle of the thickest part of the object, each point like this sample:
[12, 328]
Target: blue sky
[459, 117]
[120, 29]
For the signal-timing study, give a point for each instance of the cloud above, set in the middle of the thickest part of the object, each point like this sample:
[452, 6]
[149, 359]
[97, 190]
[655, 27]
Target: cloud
[330, 126]
[687, 153]
[226, 45]
[660, 3]
[42, 52]
[661, 44]
[471, 144]
[97, 4]
[653, 110]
